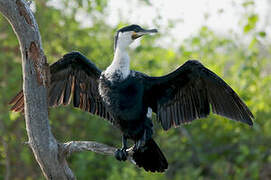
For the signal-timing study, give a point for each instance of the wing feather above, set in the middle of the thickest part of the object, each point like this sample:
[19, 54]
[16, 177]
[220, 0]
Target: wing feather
[72, 77]
[189, 93]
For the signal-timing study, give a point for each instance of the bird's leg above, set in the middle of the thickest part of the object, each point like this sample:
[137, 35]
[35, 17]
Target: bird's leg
[124, 143]
[121, 154]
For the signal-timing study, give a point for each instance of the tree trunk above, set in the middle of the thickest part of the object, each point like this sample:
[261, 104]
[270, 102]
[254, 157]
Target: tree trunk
[41, 140]
[50, 154]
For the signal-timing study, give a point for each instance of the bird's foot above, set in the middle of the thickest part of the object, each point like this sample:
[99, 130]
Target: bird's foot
[121, 154]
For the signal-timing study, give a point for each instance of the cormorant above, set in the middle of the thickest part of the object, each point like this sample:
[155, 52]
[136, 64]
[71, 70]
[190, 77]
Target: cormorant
[127, 98]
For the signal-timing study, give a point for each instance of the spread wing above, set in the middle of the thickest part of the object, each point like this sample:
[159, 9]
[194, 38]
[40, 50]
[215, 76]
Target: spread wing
[72, 77]
[189, 93]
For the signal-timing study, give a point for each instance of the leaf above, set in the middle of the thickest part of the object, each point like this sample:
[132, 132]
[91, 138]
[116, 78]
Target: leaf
[251, 24]
[262, 34]
[248, 3]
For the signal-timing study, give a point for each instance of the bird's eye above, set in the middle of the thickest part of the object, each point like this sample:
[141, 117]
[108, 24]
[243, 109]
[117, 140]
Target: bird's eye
[136, 30]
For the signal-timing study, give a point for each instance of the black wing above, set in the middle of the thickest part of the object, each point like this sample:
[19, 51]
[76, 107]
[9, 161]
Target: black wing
[72, 76]
[187, 93]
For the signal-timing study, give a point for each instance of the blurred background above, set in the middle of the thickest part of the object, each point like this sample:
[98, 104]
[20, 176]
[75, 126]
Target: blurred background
[232, 38]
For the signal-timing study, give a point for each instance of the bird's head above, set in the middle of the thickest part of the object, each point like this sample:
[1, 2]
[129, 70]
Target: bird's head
[126, 35]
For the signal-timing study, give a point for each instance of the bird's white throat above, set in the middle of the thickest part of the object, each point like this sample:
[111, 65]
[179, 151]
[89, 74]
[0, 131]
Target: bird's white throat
[120, 64]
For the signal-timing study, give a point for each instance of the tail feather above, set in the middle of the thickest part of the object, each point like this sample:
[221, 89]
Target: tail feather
[151, 157]
[18, 102]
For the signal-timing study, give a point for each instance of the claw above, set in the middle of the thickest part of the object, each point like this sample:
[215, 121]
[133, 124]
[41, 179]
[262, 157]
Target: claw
[121, 154]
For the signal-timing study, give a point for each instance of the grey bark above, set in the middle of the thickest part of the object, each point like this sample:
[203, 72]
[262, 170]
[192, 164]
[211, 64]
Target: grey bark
[50, 154]
[41, 140]
[78, 146]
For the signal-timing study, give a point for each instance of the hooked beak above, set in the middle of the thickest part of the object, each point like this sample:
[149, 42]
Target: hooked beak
[143, 32]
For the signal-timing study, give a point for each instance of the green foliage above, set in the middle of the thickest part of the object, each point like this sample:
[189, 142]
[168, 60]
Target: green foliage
[251, 24]
[211, 148]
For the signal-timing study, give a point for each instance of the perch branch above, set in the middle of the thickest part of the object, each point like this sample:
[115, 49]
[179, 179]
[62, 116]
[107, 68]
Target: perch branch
[79, 146]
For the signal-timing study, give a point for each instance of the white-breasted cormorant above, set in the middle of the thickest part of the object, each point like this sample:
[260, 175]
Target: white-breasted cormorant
[127, 98]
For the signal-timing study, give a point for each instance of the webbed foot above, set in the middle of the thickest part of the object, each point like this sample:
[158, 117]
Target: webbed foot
[121, 154]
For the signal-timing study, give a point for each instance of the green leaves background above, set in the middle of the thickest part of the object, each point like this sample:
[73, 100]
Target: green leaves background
[211, 148]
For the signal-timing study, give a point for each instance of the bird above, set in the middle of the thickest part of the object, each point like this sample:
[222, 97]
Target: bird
[128, 98]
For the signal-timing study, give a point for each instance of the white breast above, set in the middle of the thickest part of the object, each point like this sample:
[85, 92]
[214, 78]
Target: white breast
[120, 65]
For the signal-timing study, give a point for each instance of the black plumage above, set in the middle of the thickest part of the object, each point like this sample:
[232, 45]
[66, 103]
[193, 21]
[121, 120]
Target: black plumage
[188, 93]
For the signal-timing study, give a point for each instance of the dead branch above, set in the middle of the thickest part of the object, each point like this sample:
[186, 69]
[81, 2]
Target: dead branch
[79, 146]
[50, 154]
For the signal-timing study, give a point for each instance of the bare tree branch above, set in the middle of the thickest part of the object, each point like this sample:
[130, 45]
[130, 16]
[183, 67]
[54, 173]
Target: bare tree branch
[78, 146]
[50, 154]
